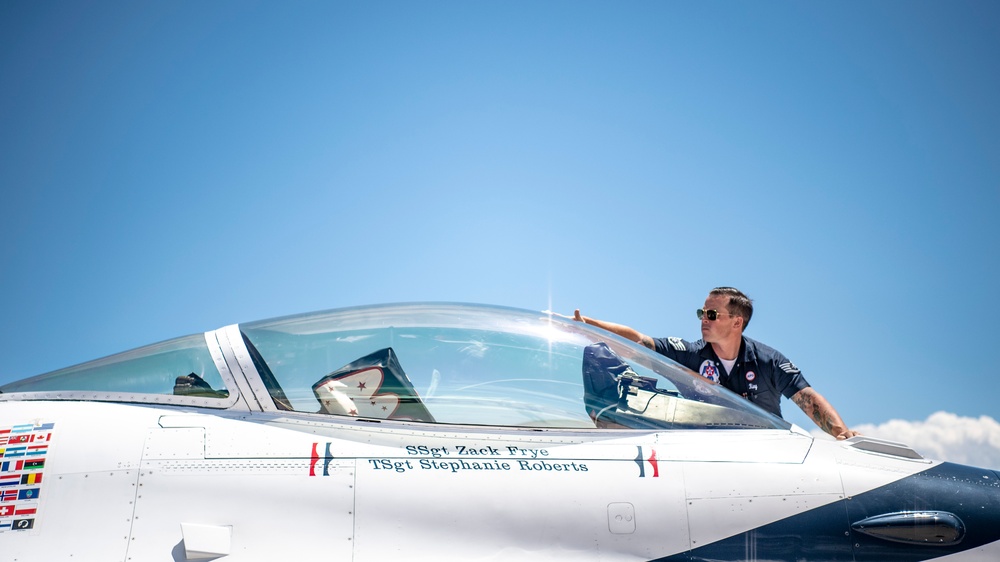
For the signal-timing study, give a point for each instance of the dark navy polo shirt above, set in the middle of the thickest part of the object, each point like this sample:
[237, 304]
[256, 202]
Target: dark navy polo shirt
[761, 373]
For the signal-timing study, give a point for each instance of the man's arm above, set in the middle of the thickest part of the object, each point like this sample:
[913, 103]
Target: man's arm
[621, 330]
[823, 413]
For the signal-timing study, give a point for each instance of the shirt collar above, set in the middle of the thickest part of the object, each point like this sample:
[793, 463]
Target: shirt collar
[746, 353]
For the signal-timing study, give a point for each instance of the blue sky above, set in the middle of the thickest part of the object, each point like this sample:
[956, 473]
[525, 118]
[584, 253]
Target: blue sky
[170, 168]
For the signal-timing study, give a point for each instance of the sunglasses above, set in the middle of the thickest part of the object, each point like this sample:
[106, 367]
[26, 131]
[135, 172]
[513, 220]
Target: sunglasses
[712, 315]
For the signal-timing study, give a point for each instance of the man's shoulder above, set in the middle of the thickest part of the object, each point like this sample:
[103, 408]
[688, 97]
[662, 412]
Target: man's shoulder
[761, 348]
[768, 354]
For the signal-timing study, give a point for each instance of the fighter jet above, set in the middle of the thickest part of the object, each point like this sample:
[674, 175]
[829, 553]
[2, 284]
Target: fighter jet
[449, 432]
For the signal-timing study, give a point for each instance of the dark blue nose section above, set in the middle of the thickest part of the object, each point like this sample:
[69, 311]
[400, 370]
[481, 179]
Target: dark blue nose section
[948, 509]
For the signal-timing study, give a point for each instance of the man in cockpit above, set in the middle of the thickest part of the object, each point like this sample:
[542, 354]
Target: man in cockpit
[724, 355]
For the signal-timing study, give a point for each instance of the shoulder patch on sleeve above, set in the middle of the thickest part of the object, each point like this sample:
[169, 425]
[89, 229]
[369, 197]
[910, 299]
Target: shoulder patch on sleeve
[677, 344]
[789, 368]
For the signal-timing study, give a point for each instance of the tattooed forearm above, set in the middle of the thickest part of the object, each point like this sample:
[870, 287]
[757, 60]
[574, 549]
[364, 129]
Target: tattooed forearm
[803, 400]
[807, 400]
[821, 412]
[824, 422]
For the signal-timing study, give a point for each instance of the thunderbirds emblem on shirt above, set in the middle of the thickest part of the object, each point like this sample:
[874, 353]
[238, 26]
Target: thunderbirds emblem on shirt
[709, 370]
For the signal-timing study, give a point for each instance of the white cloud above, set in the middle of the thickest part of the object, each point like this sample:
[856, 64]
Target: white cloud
[944, 436]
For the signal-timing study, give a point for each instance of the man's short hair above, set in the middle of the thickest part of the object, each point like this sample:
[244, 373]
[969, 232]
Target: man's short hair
[739, 304]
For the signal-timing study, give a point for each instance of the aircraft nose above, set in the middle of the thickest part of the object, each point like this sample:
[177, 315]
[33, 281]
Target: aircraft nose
[947, 509]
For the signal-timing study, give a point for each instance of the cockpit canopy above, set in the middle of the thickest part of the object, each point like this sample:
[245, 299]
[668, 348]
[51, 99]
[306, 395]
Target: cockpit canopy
[422, 363]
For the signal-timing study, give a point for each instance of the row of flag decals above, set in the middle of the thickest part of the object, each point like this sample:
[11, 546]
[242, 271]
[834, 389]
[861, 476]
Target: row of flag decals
[22, 461]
